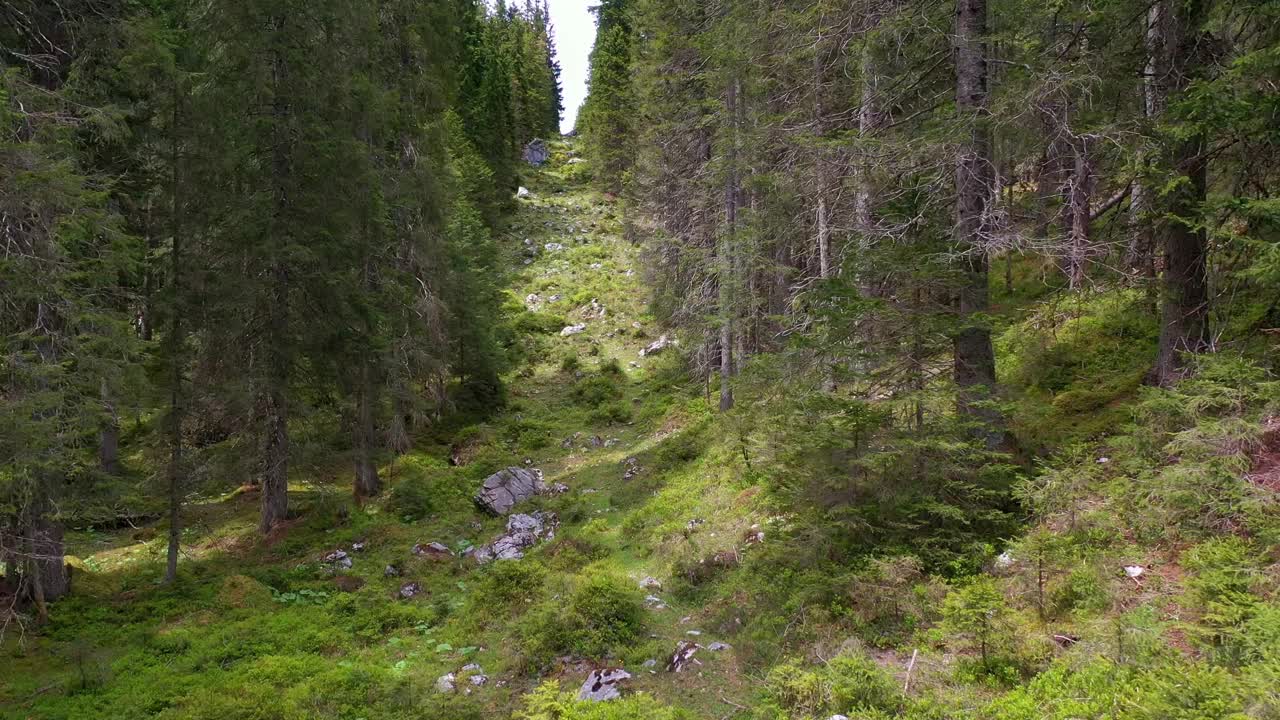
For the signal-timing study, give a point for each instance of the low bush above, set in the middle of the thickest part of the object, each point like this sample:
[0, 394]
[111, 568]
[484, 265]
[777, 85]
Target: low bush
[602, 615]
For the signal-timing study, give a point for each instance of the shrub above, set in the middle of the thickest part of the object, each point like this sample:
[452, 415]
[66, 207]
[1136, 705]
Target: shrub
[596, 390]
[538, 323]
[977, 614]
[603, 614]
[613, 413]
[848, 684]
[548, 703]
[1220, 589]
[411, 498]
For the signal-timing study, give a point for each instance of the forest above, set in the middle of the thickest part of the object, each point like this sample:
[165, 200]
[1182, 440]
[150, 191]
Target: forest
[848, 360]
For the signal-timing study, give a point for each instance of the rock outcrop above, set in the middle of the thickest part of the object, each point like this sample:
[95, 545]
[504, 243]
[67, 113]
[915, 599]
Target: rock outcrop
[504, 489]
[523, 532]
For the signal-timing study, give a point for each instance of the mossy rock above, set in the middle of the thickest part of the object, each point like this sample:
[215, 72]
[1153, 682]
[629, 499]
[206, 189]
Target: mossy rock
[242, 591]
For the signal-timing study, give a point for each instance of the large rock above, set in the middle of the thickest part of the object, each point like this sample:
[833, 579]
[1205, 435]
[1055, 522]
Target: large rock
[523, 532]
[603, 684]
[502, 490]
[536, 152]
[657, 346]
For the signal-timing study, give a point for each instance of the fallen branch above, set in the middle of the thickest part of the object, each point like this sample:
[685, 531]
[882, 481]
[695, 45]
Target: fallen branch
[910, 666]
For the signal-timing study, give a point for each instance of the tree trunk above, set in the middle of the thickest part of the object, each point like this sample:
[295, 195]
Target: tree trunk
[975, 374]
[1081, 199]
[820, 168]
[275, 474]
[367, 482]
[1184, 302]
[1142, 243]
[725, 253]
[109, 435]
[1173, 49]
[177, 340]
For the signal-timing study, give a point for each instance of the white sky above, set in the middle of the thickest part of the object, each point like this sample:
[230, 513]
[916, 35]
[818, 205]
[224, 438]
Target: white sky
[575, 30]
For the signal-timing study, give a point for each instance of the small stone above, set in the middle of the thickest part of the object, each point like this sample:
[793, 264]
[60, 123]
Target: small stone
[1134, 571]
[357, 546]
[445, 683]
[573, 329]
[522, 192]
[695, 633]
[338, 559]
[433, 550]
[603, 684]
[649, 663]
[391, 571]
[651, 583]
[718, 646]
[682, 658]
[409, 589]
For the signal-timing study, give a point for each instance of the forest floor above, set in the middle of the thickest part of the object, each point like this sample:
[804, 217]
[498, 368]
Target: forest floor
[267, 628]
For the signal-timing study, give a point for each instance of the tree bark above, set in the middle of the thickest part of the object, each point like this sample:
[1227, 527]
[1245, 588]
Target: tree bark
[275, 475]
[974, 356]
[1173, 58]
[109, 435]
[820, 167]
[1081, 199]
[177, 340]
[367, 482]
[725, 252]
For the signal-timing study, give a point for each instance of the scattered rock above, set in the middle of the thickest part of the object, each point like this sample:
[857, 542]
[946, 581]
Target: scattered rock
[553, 246]
[391, 571]
[1005, 560]
[694, 633]
[557, 489]
[532, 301]
[596, 266]
[522, 192]
[631, 468]
[357, 546]
[445, 683]
[1134, 571]
[754, 535]
[657, 346]
[650, 663]
[651, 583]
[682, 658]
[337, 560]
[523, 532]
[603, 684]
[409, 589]
[655, 602]
[611, 442]
[694, 524]
[432, 550]
[536, 152]
[573, 329]
[504, 489]
[592, 310]
[718, 646]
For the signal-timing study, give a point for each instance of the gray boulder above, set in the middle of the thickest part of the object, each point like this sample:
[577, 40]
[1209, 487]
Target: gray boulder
[502, 490]
[657, 346]
[536, 152]
[523, 532]
[603, 684]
